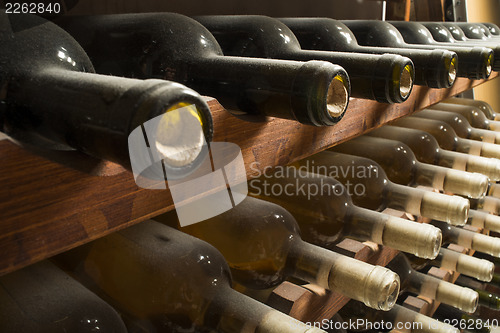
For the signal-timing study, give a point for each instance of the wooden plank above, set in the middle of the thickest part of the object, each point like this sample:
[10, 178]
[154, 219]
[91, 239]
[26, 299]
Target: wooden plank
[48, 207]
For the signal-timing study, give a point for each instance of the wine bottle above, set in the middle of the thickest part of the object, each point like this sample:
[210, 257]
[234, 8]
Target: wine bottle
[428, 286]
[494, 190]
[484, 220]
[170, 281]
[474, 63]
[368, 185]
[41, 298]
[436, 68]
[474, 115]
[52, 99]
[458, 262]
[427, 150]
[385, 78]
[176, 47]
[487, 203]
[469, 239]
[486, 298]
[481, 105]
[493, 28]
[468, 32]
[417, 33]
[261, 243]
[469, 323]
[401, 166]
[399, 317]
[447, 137]
[459, 124]
[326, 215]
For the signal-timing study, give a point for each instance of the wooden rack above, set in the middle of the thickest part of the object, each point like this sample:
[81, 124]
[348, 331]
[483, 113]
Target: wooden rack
[50, 203]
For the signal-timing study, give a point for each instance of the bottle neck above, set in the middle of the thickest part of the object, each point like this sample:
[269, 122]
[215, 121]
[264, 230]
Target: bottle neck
[455, 181]
[465, 264]
[434, 288]
[421, 240]
[452, 209]
[469, 239]
[484, 220]
[375, 286]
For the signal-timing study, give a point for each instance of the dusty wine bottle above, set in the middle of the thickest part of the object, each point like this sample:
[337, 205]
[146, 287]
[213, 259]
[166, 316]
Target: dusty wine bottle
[474, 115]
[428, 286]
[433, 68]
[261, 243]
[41, 298]
[427, 150]
[474, 63]
[176, 47]
[417, 33]
[486, 298]
[458, 262]
[406, 320]
[447, 137]
[487, 203]
[469, 239]
[369, 187]
[459, 124]
[52, 99]
[327, 217]
[385, 78]
[170, 281]
[481, 219]
[481, 105]
[401, 167]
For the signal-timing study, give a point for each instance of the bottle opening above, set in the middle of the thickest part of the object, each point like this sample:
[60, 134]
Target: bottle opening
[338, 96]
[488, 68]
[406, 81]
[179, 135]
[452, 71]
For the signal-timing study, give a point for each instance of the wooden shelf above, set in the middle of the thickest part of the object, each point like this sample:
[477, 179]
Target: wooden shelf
[48, 207]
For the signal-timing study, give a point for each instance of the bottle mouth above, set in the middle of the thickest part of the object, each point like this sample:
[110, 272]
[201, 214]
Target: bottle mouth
[488, 65]
[405, 81]
[180, 135]
[337, 96]
[430, 243]
[452, 70]
[383, 289]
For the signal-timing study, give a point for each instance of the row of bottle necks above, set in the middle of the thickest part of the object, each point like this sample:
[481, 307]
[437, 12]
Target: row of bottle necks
[159, 278]
[303, 69]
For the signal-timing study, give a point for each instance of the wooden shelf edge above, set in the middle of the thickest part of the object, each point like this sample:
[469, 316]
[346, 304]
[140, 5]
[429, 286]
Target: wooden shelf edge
[47, 207]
